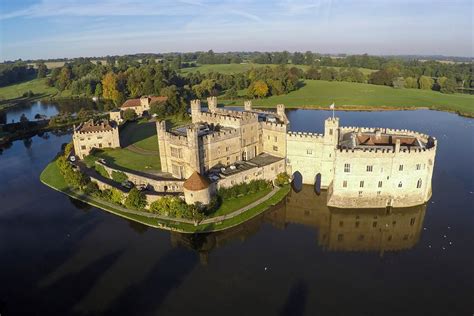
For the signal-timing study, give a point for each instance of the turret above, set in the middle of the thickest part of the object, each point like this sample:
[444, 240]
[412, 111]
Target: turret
[281, 110]
[212, 104]
[331, 130]
[193, 146]
[248, 105]
[195, 110]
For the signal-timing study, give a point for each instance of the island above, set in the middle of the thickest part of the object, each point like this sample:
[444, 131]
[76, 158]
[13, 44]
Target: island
[223, 167]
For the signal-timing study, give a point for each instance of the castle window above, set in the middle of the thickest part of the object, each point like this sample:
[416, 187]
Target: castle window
[227, 149]
[83, 147]
[412, 221]
[389, 238]
[309, 151]
[357, 224]
[275, 138]
[99, 137]
[360, 193]
[268, 137]
[341, 224]
[347, 167]
[418, 166]
[374, 224]
[380, 184]
[344, 184]
[100, 145]
[81, 139]
[110, 144]
[418, 184]
[330, 131]
[275, 148]
[340, 237]
[361, 184]
[378, 192]
[400, 168]
[370, 168]
[400, 184]
[394, 223]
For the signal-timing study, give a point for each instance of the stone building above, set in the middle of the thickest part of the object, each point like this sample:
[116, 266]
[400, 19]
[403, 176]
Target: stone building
[360, 167]
[142, 104]
[89, 135]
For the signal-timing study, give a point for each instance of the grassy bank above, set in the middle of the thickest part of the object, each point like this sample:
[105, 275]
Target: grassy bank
[126, 159]
[230, 205]
[52, 177]
[361, 96]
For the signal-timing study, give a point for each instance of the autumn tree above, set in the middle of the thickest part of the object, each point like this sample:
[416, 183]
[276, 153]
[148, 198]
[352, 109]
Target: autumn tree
[109, 87]
[425, 83]
[259, 89]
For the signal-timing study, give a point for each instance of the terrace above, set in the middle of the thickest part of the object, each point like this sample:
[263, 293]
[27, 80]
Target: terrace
[361, 140]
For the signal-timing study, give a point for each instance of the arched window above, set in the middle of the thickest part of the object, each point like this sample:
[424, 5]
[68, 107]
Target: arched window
[418, 184]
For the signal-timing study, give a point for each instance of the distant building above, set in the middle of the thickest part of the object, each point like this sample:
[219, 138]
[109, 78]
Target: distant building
[116, 116]
[90, 135]
[142, 104]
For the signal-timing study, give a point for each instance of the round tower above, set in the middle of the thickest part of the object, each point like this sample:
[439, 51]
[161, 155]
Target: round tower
[197, 189]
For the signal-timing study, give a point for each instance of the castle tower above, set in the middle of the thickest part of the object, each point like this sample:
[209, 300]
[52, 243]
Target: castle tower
[193, 147]
[248, 105]
[331, 138]
[161, 129]
[212, 104]
[195, 110]
[281, 110]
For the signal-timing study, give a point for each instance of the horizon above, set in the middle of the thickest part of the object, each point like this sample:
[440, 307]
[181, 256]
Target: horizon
[53, 29]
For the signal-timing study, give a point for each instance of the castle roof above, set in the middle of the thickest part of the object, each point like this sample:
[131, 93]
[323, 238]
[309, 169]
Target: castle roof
[136, 102]
[90, 126]
[196, 182]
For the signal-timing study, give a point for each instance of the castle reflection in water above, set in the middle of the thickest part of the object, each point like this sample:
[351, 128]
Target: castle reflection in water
[370, 230]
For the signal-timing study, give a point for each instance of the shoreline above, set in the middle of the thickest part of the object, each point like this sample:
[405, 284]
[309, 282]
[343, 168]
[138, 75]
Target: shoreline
[176, 224]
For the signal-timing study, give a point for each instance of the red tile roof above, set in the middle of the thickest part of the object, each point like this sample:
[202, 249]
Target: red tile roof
[136, 102]
[196, 182]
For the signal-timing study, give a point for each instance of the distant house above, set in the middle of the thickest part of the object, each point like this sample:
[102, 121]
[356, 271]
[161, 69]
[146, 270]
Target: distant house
[142, 104]
[90, 135]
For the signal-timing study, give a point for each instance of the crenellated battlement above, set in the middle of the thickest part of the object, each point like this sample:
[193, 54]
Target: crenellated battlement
[217, 136]
[176, 139]
[279, 127]
[233, 118]
[375, 152]
[384, 130]
[294, 136]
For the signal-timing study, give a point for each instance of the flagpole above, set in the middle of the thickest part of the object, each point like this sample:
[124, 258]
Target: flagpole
[333, 106]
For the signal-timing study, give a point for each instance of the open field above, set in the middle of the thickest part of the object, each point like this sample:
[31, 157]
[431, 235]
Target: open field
[13, 94]
[361, 96]
[236, 68]
[57, 64]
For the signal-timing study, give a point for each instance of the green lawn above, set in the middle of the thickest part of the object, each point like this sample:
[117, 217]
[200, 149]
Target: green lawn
[141, 134]
[236, 68]
[53, 177]
[231, 205]
[361, 96]
[125, 159]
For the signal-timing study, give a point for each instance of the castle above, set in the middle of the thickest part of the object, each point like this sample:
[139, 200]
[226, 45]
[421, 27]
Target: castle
[359, 167]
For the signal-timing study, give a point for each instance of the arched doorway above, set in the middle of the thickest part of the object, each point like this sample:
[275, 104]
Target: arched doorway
[297, 181]
[317, 184]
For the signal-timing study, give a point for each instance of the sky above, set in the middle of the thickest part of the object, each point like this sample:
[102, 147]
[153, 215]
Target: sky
[33, 29]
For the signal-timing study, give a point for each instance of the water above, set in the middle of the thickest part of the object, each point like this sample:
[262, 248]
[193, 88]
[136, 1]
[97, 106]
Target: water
[30, 110]
[61, 257]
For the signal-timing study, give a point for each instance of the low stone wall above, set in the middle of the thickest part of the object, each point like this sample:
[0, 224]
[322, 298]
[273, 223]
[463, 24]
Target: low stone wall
[268, 172]
[159, 185]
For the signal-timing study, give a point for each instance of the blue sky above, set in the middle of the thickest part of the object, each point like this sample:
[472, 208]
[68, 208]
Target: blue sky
[71, 28]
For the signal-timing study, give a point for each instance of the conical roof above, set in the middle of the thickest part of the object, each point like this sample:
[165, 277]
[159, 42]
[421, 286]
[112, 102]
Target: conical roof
[196, 182]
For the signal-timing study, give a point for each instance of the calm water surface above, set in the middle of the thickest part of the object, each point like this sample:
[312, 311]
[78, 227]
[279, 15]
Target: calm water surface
[30, 110]
[61, 257]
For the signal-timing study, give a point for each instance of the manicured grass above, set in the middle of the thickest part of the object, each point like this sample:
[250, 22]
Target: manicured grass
[126, 160]
[141, 134]
[53, 178]
[361, 96]
[231, 205]
[236, 68]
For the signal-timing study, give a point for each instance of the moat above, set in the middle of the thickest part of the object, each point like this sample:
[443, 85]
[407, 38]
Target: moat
[295, 259]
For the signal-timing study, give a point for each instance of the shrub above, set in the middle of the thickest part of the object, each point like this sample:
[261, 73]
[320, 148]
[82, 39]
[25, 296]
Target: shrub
[101, 170]
[119, 176]
[282, 178]
[72, 177]
[135, 199]
[116, 196]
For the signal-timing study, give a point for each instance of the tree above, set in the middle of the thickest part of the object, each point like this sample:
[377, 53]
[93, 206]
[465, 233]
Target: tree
[42, 70]
[399, 83]
[259, 89]
[109, 87]
[449, 86]
[297, 59]
[411, 83]
[129, 115]
[308, 58]
[425, 83]
[98, 90]
[64, 79]
[135, 199]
